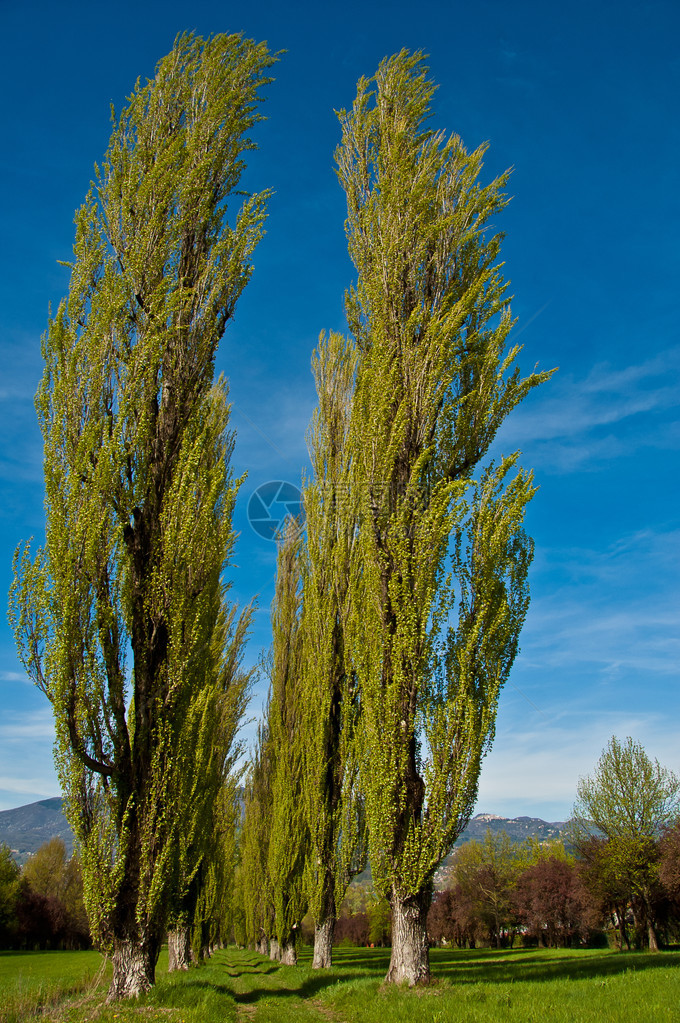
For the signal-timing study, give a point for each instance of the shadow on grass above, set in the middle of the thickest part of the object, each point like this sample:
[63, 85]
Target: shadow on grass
[309, 987]
[451, 966]
[542, 965]
[470, 966]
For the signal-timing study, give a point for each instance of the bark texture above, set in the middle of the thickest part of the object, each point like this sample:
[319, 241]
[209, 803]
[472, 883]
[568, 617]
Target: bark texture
[262, 946]
[288, 955]
[274, 950]
[179, 949]
[134, 969]
[410, 962]
[323, 944]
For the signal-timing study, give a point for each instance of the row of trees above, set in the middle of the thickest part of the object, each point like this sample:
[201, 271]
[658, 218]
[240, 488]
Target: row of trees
[617, 875]
[397, 615]
[41, 905]
[396, 619]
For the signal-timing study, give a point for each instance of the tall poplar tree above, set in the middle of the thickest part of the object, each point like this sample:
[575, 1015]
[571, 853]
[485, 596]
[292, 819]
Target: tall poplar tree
[138, 511]
[288, 839]
[207, 740]
[253, 876]
[440, 592]
[330, 701]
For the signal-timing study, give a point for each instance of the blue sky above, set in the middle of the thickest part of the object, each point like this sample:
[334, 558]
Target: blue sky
[581, 100]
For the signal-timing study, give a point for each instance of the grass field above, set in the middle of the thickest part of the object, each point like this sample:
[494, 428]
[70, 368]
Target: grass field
[32, 980]
[476, 986]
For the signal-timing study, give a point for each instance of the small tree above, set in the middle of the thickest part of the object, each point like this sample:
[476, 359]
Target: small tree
[435, 380]
[486, 873]
[550, 899]
[138, 508]
[45, 870]
[51, 905]
[630, 800]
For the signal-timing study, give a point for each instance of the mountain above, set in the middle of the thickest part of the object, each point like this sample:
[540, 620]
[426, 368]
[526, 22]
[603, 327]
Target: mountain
[518, 828]
[25, 828]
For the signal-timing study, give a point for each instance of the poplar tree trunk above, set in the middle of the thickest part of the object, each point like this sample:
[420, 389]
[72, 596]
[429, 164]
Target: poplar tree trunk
[288, 954]
[323, 943]
[274, 950]
[135, 946]
[134, 968]
[179, 949]
[410, 961]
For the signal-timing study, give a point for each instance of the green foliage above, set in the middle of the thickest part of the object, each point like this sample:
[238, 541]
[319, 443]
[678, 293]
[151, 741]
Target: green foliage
[435, 380]
[329, 699]
[486, 873]
[288, 840]
[380, 922]
[45, 871]
[9, 879]
[630, 800]
[138, 490]
[252, 876]
[629, 795]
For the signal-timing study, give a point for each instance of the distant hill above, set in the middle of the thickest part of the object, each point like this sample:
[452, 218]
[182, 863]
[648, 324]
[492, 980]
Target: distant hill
[518, 828]
[25, 828]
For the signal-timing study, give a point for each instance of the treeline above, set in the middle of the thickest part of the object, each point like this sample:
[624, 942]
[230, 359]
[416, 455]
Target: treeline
[41, 904]
[616, 879]
[500, 893]
[397, 611]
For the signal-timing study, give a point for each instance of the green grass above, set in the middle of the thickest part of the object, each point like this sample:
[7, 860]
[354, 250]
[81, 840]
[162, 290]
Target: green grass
[476, 986]
[31, 980]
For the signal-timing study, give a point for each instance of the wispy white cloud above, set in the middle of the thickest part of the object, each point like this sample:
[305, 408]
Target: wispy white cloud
[535, 771]
[613, 609]
[39, 787]
[14, 676]
[562, 424]
[36, 725]
[271, 435]
[26, 741]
